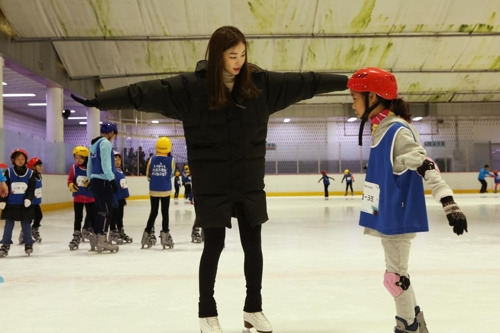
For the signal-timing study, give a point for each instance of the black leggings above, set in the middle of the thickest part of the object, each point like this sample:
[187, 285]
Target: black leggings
[89, 218]
[155, 203]
[251, 241]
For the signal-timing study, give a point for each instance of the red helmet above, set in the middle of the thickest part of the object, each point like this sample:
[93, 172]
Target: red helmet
[374, 79]
[15, 152]
[34, 161]
[323, 172]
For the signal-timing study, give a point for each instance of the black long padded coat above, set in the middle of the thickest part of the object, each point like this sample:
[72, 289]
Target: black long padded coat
[226, 148]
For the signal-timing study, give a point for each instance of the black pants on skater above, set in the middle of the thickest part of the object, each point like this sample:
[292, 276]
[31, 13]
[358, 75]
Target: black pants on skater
[484, 185]
[155, 205]
[251, 242]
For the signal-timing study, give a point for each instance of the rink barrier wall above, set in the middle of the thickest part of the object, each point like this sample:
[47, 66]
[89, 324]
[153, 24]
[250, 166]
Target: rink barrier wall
[56, 194]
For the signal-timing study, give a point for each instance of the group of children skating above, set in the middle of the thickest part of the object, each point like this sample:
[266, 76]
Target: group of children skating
[348, 177]
[24, 179]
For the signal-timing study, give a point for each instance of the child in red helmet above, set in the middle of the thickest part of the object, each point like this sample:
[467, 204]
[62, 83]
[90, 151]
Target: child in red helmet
[35, 164]
[326, 182]
[393, 203]
[18, 204]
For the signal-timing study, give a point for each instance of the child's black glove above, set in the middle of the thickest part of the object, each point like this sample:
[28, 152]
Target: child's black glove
[456, 218]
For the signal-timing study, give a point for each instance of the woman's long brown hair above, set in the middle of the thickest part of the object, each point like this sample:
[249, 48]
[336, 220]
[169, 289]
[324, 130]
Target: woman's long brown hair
[223, 39]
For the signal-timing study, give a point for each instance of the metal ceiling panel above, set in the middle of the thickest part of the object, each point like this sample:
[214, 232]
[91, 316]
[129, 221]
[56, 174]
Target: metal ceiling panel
[440, 51]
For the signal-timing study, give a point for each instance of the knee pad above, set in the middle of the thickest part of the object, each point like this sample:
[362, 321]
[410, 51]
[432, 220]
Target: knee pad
[396, 283]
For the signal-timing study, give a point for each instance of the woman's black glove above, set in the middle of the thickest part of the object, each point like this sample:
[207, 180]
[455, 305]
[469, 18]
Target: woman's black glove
[87, 102]
[456, 218]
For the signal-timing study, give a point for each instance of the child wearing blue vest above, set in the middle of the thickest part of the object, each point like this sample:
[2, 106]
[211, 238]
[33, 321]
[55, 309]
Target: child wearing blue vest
[326, 182]
[17, 206]
[82, 198]
[116, 230]
[186, 182]
[35, 164]
[349, 179]
[393, 204]
[159, 173]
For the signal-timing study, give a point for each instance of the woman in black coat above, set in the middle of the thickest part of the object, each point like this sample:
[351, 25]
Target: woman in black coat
[225, 107]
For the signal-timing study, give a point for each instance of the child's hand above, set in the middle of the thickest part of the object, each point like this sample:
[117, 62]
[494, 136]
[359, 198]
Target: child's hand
[456, 218]
[27, 203]
[2, 205]
[73, 188]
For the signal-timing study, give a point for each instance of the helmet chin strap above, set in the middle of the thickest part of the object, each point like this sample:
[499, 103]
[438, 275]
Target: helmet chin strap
[364, 118]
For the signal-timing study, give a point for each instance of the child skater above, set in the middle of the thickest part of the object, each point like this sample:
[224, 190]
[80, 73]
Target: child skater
[116, 229]
[18, 204]
[349, 179]
[186, 181]
[82, 197]
[497, 179]
[159, 173]
[326, 182]
[177, 184]
[35, 164]
[393, 204]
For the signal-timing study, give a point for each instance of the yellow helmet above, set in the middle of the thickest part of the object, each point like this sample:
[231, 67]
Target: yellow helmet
[81, 150]
[177, 173]
[163, 145]
[346, 171]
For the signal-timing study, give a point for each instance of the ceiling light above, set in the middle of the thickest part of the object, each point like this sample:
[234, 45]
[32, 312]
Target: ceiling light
[417, 119]
[286, 120]
[76, 118]
[37, 104]
[82, 122]
[4, 84]
[352, 119]
[18, 95]
[155, 121]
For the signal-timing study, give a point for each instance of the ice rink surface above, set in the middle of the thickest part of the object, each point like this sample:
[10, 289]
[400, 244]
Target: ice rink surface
[321, 274]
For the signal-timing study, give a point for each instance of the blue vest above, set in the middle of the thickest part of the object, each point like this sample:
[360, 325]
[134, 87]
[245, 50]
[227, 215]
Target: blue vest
[348, 178]
[121, 183]
[326, 180]
[160, 173]
[80, 177]
[18, 187]
[37, 199]
[401, 201]
[95, 158]
[186, 178]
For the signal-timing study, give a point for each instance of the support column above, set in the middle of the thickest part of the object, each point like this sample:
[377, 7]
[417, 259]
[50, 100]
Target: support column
[93, 124]
[54, 127]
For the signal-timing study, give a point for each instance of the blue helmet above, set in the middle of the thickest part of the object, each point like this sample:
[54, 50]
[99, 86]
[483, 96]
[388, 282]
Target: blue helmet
[109, 127]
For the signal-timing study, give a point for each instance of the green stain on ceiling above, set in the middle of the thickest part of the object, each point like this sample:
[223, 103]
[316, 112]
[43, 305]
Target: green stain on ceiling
[354, 56]
[101, 10]
[385, 54]
[311, 55]
[361, 21]
[496, 63]
[420, 28]
[465, 28]
[483, 28]
[60, 19]
[415, 87]
[263, 14]
[487, 98]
